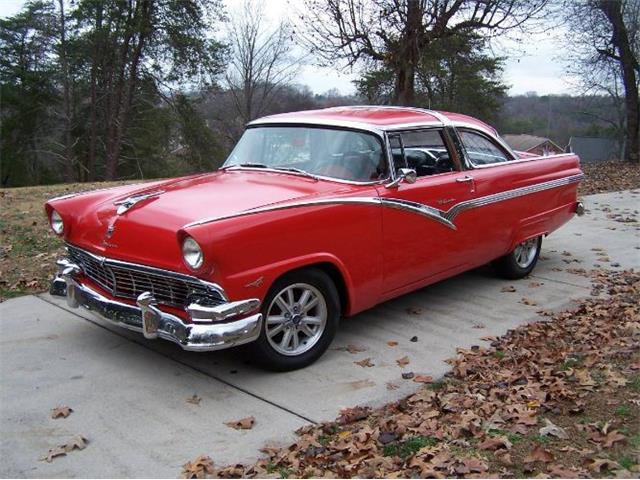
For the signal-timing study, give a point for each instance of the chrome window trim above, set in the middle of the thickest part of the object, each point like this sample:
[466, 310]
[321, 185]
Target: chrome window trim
[350, 126]
[444, 217]
[417, 128]
[239, 168]
[492, 138]
[214, 287]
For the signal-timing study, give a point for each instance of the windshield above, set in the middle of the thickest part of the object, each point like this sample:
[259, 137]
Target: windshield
[342, 154]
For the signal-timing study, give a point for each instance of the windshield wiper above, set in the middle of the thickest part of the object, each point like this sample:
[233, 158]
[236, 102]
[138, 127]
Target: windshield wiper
[297, 170]
[250, 165]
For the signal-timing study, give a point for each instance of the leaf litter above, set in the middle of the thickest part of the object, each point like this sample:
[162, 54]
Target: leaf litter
[540, 408]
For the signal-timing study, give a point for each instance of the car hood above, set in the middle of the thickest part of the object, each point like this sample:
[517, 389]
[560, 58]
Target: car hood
[146, 232]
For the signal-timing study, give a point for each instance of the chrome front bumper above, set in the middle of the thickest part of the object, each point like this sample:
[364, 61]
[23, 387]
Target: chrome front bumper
[214, 328]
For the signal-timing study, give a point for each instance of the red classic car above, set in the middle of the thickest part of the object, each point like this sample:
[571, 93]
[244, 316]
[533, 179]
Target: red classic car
[315, 215]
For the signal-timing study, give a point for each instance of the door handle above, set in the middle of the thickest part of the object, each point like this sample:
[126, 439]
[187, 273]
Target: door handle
[464, 179]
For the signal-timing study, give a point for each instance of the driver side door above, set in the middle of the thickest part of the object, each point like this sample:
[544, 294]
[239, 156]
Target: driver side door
[420, 244]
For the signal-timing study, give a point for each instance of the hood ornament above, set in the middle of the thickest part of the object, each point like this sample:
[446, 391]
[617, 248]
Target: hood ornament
[130, 202]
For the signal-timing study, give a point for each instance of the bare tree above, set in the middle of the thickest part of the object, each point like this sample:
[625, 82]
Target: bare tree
[261, 62]
[395, 33]
[604, 36]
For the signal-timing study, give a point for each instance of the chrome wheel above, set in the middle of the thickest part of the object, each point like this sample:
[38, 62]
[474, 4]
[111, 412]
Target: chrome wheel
[296, 319]
[525, 253]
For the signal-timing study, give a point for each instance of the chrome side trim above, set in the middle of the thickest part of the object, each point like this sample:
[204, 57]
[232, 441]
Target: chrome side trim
[419, 209]
[510, 194]
[287, 206]
[444, 217]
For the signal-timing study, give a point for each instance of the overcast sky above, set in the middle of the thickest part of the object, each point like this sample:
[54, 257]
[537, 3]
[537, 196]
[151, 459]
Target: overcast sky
[531, 66]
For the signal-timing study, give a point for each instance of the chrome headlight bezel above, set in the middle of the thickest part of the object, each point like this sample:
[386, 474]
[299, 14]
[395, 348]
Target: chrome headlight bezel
[56, 222]
[192, 254]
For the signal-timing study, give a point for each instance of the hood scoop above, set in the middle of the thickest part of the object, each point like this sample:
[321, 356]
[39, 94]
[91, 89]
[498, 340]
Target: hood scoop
[130, 202]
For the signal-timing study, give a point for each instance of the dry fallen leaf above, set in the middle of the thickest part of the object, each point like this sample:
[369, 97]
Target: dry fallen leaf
[242, 424]
[365, 363]
[392, 343]
[76, 443]
[194, 399]
[495, 443]
[539, 454]
[598, 464]
[509, 289]
[198, 468]
[553, 430]
[527, 301]
[423, 379]
[403, 362]
[392, 386]
[61, 411]
[54, 453]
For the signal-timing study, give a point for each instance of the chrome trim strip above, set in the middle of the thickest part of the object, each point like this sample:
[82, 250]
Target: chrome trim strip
[509, 194]
[131, 201]
[420, 209]
[444, 217]
[214, 287]
[287, 206]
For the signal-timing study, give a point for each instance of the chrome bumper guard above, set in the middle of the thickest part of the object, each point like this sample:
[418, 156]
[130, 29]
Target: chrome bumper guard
[213, 327]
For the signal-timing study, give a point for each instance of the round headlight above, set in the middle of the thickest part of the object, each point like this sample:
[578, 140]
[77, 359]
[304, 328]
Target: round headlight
[56, 222]
[192, 253]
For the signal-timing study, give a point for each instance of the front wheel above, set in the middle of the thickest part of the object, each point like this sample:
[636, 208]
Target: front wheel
[300, 318]
[521, 261]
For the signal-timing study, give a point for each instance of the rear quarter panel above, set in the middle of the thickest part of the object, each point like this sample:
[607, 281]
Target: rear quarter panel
[513, 221]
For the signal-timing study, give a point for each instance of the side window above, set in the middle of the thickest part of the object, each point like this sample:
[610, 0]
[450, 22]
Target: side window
[422, 150]
[481, 150]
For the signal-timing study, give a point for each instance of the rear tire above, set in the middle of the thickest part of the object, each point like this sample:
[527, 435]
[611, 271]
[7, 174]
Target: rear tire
[300, 314]
[520, 261]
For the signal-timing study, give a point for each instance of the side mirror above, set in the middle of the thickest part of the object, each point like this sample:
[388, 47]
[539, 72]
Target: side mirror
[408, 175]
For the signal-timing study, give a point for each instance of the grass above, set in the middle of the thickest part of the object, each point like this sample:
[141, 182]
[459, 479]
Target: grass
[634, 383]
[626, 462]
[408, 447]
[623, 411]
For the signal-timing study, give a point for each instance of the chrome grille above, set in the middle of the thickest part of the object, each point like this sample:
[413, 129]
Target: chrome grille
[129, 281]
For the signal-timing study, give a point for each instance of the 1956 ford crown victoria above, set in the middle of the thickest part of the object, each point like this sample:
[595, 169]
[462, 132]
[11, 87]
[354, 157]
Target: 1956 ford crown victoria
[314, 215]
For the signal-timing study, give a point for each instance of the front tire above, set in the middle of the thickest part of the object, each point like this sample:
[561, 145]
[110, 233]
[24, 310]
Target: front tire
[520, 261]
[300, 314]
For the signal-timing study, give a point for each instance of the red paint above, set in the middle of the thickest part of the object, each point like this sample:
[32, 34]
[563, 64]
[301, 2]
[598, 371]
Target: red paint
[379, 252]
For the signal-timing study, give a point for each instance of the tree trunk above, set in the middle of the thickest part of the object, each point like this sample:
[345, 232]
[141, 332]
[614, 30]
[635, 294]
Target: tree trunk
[407, 56]
[620, 39]
[68, 146]
[404, 91]
[97, 54]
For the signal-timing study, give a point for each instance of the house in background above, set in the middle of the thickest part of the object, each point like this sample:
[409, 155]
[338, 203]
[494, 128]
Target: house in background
[532, 144]
[594, 149]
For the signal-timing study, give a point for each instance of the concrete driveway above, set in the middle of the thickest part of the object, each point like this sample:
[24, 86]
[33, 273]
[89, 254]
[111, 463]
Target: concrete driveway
[129, 395]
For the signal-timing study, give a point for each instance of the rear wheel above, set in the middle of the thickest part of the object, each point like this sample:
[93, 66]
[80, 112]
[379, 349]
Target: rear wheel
[300, 319]
[521, 261]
